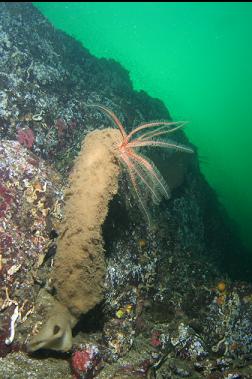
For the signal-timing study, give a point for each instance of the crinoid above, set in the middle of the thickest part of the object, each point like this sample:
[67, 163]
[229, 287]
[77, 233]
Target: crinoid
[144, 175]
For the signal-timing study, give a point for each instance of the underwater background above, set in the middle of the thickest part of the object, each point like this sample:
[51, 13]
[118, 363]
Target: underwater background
[87, 288]
[197, 58]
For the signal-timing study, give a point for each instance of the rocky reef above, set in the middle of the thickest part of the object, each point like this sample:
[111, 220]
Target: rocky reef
[177, 298]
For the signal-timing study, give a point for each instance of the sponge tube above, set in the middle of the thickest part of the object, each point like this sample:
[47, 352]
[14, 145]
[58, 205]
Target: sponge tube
[79, 270]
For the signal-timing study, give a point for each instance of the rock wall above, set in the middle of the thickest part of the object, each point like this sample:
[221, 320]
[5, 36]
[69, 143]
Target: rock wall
[171, 303]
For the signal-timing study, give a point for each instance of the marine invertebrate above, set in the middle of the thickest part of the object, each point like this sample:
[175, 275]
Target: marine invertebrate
[79, 270]
[26, 137]
[86, 362]
[221, 286]
[144, 175]
[142, 243]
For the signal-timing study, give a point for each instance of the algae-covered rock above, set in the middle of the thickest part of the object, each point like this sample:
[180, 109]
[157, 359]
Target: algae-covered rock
[30, 210]
[21, 366]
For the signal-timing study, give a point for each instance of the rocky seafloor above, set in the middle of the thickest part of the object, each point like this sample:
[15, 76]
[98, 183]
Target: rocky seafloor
[178, 301]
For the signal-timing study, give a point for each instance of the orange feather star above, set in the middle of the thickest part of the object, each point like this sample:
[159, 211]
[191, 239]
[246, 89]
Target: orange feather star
[142, 171]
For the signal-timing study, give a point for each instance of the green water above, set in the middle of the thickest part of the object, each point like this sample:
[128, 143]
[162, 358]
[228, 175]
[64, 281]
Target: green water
[197, 58]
